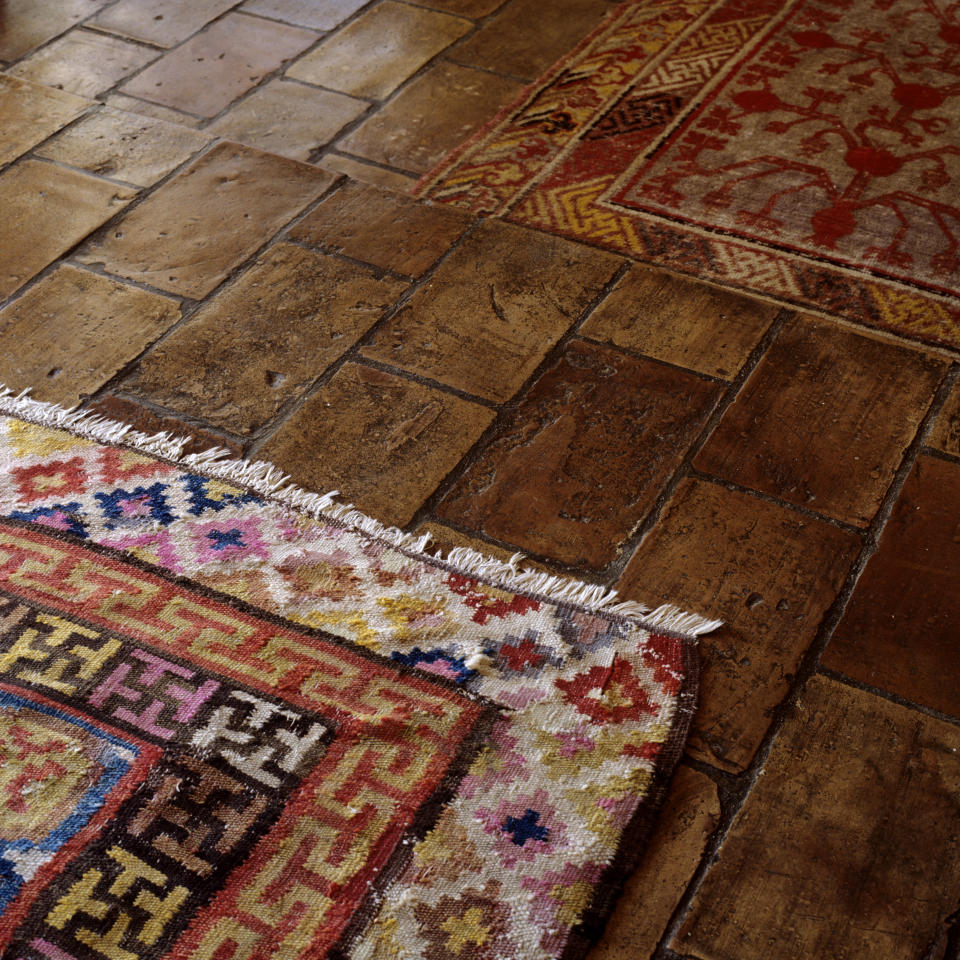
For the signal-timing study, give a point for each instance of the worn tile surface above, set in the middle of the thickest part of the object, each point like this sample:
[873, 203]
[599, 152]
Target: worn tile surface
[120, 101]
[188, 235]
[72, 331]
[46, 211]
[368, 173]
[572, 471]
[125, 146]
[383, 425]
[215, 67]
[29, 23]
[314, 14]
[374, 54]
[825, 420]
[769, 573]
[846, 847]
[288, 118]
[475, 9]
[431, 116]
[29, 113]
[492, 309]
[291, 314]
[945, 435]
[162, 22]
[680, 321]
[382, 227]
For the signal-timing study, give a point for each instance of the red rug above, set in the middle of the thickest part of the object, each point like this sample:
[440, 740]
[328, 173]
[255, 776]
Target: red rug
[806, 150]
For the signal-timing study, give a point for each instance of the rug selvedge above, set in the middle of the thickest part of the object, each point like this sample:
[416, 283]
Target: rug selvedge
[491, 815]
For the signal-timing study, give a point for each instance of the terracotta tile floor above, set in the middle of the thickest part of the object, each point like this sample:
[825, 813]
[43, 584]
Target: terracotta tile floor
[183, 251]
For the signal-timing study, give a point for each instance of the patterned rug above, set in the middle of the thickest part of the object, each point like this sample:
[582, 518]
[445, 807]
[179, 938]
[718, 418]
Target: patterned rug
[806, 150]
[240, 721]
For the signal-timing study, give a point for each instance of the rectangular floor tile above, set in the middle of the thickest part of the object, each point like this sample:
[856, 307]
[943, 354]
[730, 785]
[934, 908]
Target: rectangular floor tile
[46, 211]
[29, 113]
[72, 331]
[84, 62]
[769, 573]
[288, 118]
[29, 23]
[368, 173]
[492, 309]
[899, 631]
[188, 235]
[825, 419]
[125, 146]
[120, 101]
[431, 116]
[383, 228]
[313, 14]
[385, 427]
[575, 468]
[945, 435]
[264, 339]
[384, 46]
[162, 22]
[215, 67]
[848, 844]
[680, 321]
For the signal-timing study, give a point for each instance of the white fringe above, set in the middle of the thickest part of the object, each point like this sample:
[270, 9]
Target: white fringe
[268, 480]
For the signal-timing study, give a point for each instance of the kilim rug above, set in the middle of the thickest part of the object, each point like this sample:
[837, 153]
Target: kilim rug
[239, 721]
[805, 150]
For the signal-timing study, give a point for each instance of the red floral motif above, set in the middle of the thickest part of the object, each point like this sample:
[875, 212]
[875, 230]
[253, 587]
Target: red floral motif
[51, 479]
[488, 601]
[608, 694]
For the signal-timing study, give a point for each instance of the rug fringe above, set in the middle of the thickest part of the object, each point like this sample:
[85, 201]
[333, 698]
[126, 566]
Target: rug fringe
[267, 479]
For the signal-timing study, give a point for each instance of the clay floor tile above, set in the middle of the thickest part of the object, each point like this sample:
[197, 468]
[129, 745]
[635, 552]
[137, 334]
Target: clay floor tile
[368, 173]
[769, 573]
[847, 845]
[27, 24]
[189, 234]
[72, 331]
[899, 631]
[689, 815]
[381, 227]
[313, 14]
[120, 101]
[379, 50]
[474, 9]
[523, 42]
[46, 211]
[493, 309]
[689, 324]
[432, 115]
[288, 118]
[945, 435]
[215, 67]
[289, 317]
[125, 146]
[164, 23]
[570, 473]
[384, 426]
[29, 113]
[84, 62]
[825, 419]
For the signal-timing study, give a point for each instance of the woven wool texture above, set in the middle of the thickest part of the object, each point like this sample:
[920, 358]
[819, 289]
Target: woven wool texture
[232, 729]
[807, 150]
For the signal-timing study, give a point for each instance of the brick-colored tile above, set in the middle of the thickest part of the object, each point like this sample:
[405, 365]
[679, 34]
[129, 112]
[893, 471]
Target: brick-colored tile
[288, 118]
[572, 471]
[680, 321]
[385, 426]
[313, 14]
[29, 113]
[825, 419]
[214, 68]
[264, 339]
[72, 331]
[689, 815]
[945, 435]
[522, 42]
[368, 173]
[378, 51]
[125, 146]
[84, 62]
[46, 211]
[120, 101]
[431, 116]
[899, 631]
[187, 236]
[383, 228]
[162, 22]
[475, 9]
[27, 24]
[846, 847]
[150, 422]
[769, 573]
[492, 309]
